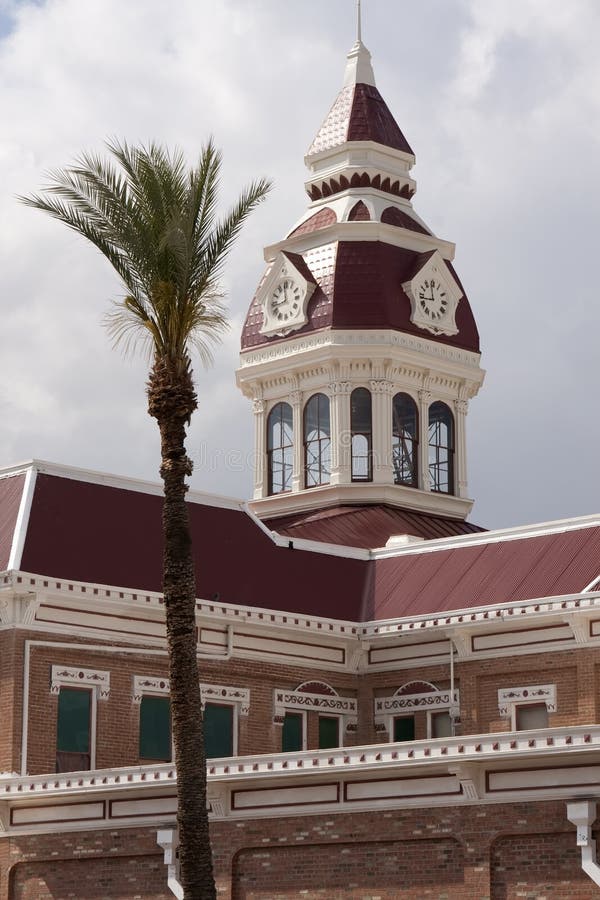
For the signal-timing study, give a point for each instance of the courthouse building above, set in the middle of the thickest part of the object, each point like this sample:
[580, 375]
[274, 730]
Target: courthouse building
[398, 703]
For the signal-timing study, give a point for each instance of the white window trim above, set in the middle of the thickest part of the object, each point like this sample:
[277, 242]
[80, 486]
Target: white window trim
[346, 708]
[386, 709]
[510, 698]
[92, 680]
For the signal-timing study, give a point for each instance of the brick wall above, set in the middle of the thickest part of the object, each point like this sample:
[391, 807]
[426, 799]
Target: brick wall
[497, 852]
[576, 674]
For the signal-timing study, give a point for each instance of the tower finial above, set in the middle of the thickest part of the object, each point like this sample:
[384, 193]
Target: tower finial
[359, 69]
[358, 22]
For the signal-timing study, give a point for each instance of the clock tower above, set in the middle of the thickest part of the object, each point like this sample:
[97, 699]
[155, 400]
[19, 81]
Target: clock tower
[359, 351]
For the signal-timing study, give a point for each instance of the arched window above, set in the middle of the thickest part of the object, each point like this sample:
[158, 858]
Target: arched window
[361, 428]
[405, 440]
[280, 448]
[441, 448]
[317, 441]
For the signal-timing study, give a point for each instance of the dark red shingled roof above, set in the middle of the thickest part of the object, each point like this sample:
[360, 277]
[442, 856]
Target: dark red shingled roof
[367, 526]
[11, 490]
[359, 113]
[365, 292]
[394, 216]
[320, 219]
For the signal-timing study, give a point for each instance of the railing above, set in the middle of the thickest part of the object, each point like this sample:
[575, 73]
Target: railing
[541, 742]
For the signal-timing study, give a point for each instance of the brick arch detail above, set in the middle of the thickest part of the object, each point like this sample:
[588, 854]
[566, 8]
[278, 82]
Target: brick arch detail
[317, 687]
[416, 687]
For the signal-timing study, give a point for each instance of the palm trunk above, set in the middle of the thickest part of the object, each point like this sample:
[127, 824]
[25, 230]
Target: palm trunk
[171, 401]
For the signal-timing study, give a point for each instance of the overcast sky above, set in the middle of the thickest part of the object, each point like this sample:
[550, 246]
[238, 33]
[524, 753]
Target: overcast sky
[500, 99]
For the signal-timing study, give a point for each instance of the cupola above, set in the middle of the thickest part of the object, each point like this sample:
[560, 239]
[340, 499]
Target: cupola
[360, 351]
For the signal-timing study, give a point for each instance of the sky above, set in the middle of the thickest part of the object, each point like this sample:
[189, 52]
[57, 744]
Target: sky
[499, 100]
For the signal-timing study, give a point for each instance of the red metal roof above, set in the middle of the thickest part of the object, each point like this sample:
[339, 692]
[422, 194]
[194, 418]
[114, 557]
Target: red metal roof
[367, 526]
[11, 489]
[100, 534]
[320, 219]
[501, 571]
[106, 535]
[359, 113]
[365, 292]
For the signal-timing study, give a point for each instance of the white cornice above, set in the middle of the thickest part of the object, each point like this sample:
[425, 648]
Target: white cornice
[362, 231]
[369, 152]
[357, 343]
[334, 494]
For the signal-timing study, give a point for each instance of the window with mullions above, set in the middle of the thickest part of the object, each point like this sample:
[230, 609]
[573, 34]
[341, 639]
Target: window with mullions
[280, 448]
[317, 441]
[405, 440]
[74, 730]
[441, 448]
[361, 427]
[218, 730]
[155, 728]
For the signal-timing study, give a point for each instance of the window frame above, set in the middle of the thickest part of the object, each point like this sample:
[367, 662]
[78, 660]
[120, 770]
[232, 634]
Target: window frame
[282, 448]
[320, 441]
[367, 434]
[439, 450]
[519, 706]
[339, 721]
[415, 444]
[431, 715]
[299, 713]
[149, 759]
[234, 728]
[92, 726]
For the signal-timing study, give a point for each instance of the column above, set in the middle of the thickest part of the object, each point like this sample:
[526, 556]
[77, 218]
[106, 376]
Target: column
[424, 404]
[298, 468]
[381, 392]
[341, 439]
[460, 451]
[261, 483]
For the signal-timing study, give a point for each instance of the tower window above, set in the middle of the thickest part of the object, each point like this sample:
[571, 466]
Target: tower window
[317, 441]
[280, 448]
[441, 448]
[361, 427]
[405, 440]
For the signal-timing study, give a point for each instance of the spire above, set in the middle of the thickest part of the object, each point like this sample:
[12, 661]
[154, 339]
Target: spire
[358, 68]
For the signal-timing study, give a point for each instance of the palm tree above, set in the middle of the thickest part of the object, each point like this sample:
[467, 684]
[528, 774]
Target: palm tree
[155, 221]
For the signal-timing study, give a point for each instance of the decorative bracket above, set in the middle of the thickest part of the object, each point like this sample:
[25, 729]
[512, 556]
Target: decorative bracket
[217, 800]
[470, 780]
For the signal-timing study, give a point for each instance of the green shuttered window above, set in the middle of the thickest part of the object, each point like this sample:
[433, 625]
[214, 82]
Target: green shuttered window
[292, 732]
[218, 730]
[329, 732]
[73, 730]
[404, 728]
[155, 728]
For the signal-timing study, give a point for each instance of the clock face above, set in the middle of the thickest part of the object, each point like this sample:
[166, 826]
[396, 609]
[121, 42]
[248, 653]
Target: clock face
[432, 298]
[285, 301]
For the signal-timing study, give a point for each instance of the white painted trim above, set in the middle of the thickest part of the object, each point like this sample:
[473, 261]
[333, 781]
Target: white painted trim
[595, 582]
[20, 532]
[74, 676]
[510, 698]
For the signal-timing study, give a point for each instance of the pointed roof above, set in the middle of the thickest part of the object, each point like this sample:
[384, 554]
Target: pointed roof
[359, 112]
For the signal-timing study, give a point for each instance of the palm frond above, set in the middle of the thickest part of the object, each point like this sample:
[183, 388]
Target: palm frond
[155, 221]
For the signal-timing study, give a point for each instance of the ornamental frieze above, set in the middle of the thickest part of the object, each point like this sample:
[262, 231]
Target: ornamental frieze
[69, 676]
[284, 700]
[535, 693]
[145, 684]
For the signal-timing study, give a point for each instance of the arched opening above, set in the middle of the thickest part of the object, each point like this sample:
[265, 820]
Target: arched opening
[317, 441]
[405, 440]
[280, 448]
[361, 427]
[441, 448]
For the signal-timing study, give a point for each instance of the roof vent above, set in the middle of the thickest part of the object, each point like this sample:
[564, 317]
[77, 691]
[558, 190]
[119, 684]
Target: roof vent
[402, 540]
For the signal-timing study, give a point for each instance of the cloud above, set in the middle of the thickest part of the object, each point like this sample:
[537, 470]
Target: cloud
[500, 102]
